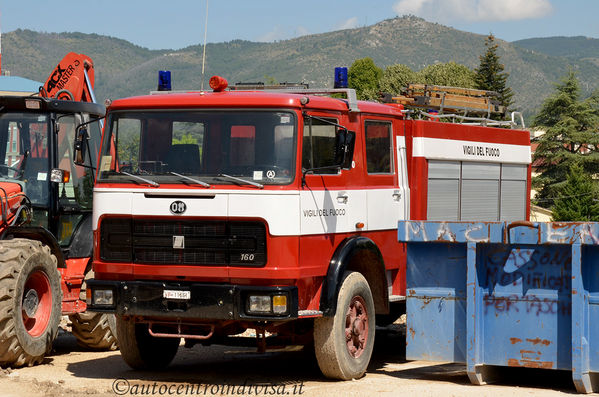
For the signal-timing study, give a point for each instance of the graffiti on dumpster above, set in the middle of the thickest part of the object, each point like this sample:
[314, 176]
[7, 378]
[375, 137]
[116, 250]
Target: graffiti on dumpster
[528, 305]
[571, 233]
[484, 232]
[447, 231]
[547, 268]
[510, 273]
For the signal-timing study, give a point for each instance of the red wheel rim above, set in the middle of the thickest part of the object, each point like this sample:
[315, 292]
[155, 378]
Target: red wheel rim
[356, 327]
[37, 300]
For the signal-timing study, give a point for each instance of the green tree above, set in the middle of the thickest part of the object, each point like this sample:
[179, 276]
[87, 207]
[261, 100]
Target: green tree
[490, 73]
[449, 74]
[570, 137]
[577, 199]
[395, 78]
[185, 139]
[364, 76]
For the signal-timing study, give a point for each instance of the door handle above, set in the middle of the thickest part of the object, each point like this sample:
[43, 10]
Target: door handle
[396, 195]
[342, 199]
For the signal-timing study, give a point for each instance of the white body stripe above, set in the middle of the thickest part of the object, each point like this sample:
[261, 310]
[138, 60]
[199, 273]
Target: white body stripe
[287, 213]
[449, 149]
[402, 177]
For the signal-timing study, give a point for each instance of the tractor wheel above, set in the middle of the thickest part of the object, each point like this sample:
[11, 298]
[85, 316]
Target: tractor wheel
[30, 302]
[94, 331]
[343, 343]
[140, 350]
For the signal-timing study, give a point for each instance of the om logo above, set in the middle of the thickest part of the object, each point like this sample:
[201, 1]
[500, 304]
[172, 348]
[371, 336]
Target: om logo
[178, 207]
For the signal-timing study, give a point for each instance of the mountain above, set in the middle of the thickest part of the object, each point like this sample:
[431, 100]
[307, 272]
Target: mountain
[578, 47]
[123, 69]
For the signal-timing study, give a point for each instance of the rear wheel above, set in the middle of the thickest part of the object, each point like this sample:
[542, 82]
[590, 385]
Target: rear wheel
[95, 331]
[140, 350]
[30, 302]
[343, 343]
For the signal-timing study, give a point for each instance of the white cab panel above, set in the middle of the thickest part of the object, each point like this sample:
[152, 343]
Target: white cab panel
[281, 211]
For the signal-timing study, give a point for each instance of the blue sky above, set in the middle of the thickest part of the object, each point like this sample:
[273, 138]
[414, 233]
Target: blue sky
[175, 24]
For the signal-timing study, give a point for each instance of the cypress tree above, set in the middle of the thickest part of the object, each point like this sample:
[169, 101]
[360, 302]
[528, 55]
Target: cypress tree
[577, 198]
[570, 137]
[490, 73]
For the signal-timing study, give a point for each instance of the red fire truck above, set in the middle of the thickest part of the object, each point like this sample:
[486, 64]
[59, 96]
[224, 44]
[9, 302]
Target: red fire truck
[218, 212]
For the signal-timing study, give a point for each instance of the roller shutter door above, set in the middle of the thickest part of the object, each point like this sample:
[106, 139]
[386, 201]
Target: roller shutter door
[443, 190]
[480, 191]
[513, 192]
[472, 191]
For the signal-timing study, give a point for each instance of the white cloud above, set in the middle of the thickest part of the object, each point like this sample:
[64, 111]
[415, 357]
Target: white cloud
[348, 24]
[301, 31]
[474, 10]
[278, 33]
[412, 7]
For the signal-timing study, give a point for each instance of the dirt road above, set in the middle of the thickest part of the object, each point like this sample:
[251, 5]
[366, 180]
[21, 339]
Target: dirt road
[218, 370]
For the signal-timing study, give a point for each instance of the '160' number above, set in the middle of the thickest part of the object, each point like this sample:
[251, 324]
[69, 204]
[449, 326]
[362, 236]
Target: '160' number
[247, 257]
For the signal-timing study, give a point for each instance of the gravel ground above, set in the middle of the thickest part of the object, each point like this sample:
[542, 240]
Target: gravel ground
[218, 370]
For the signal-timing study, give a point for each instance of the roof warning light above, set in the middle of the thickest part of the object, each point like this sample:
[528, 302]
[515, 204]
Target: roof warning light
[218, 84]
[341, 77]
[164, 80]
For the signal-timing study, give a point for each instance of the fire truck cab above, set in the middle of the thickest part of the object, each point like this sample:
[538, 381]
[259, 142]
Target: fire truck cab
[217, 212]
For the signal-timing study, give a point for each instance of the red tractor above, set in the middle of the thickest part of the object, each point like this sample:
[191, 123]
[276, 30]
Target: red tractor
[45, 207]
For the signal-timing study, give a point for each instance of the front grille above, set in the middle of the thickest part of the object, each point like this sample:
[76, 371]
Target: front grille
[214, 243]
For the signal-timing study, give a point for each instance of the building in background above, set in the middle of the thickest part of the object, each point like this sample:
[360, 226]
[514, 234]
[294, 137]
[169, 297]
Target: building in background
[14, 85]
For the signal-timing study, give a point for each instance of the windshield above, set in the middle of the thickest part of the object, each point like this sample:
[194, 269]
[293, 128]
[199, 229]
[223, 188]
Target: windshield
[24, 153]
[188, 147]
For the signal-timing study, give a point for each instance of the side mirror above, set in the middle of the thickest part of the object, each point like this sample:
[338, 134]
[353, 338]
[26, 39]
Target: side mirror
[80, 146]
[344, 148]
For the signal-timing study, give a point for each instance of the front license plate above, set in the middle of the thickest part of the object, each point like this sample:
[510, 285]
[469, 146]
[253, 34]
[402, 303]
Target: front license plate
[176, 294]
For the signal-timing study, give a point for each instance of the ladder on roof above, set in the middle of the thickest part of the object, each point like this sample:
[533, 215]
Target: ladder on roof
[451, 99]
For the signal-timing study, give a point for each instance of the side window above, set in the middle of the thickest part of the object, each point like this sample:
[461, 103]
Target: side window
[319, 145]
[36, 166]
[378, 147]
[13, 157]
[75, 196]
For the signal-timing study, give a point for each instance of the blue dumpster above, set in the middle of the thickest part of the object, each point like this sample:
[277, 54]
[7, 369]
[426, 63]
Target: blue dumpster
[496, 294]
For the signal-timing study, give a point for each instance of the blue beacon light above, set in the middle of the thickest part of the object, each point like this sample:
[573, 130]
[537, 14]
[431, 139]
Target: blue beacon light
[164, 80]
[341, 77]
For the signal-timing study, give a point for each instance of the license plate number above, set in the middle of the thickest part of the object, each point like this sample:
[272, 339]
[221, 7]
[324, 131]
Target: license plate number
[176, 294]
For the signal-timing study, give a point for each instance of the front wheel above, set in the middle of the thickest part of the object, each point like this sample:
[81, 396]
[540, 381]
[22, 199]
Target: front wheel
[30, 302]
[140, 350]
[343, 343]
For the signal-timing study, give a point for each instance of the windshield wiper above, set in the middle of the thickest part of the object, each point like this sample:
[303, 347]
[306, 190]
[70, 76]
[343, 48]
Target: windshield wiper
[204, 184]
[148, 181]
[233, 178]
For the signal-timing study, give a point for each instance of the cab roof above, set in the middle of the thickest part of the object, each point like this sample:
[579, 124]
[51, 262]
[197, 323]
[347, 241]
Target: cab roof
[246, 99]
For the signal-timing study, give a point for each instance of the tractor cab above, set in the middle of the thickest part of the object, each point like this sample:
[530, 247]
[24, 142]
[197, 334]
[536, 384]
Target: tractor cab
[37, 149]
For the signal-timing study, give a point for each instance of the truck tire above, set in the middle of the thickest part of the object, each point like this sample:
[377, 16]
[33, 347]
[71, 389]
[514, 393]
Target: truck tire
[343, 343]
[140, 350]
[30, 302]
[94, 331]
